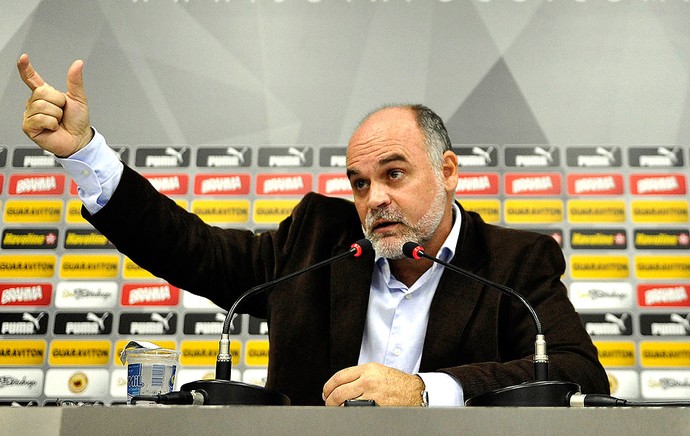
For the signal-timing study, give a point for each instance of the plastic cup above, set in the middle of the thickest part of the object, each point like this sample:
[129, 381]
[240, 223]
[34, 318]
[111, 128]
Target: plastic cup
[150, 371]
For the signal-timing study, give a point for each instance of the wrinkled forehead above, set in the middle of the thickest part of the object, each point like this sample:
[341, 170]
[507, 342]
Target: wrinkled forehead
[392, 131]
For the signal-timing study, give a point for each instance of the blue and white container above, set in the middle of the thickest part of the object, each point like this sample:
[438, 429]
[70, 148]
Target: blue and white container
[150, 369]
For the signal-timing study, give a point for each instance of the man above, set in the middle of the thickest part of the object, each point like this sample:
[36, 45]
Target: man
[384, 327]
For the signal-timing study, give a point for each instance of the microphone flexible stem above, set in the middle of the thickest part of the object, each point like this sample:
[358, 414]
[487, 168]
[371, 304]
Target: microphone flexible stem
[260, 288]
[506, 290]
[224, 358]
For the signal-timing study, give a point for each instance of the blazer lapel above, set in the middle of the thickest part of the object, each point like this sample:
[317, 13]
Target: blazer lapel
[454, 301]
[350, 284]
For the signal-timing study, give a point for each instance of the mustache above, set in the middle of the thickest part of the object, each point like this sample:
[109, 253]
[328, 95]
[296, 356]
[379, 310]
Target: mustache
[387, 214]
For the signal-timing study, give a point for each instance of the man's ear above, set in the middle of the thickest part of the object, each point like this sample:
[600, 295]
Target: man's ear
[450, 170]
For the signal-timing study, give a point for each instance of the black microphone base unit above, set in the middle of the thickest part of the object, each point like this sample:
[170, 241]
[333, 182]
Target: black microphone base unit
[227, 392]
[530, 394]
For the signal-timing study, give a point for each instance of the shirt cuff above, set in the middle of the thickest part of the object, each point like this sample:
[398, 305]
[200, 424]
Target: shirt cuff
[96, 169]
[443, 390]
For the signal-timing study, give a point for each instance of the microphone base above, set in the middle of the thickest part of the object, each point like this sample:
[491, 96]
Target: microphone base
[227, 392]
[530, 394]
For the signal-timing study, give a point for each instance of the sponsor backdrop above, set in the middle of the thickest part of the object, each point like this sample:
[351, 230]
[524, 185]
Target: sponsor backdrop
[568, 117]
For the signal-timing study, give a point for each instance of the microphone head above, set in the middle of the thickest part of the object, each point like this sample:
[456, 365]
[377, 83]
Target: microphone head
[362, 246]
[412, 249]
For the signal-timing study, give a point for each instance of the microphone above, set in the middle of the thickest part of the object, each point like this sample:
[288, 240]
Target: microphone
[541, 392]
[223, 391]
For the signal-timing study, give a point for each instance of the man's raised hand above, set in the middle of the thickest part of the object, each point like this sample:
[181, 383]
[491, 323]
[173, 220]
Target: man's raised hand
[58, 122]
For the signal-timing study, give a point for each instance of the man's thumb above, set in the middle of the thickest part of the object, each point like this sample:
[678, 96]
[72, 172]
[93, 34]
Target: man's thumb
[75, 81]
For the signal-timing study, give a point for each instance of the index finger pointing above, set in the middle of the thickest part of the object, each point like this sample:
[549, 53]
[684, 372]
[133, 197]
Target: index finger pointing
[26, 71]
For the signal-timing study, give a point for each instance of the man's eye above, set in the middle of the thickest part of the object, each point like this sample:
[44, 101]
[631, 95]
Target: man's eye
[359, 184]
[396, 174]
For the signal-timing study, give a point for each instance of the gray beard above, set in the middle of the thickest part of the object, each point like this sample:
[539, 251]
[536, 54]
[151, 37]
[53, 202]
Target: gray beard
[390, 246]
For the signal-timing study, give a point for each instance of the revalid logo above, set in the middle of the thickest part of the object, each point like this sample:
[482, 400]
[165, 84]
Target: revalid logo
[285, 156]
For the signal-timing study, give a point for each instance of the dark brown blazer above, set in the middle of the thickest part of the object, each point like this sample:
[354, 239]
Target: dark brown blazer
[476, 334]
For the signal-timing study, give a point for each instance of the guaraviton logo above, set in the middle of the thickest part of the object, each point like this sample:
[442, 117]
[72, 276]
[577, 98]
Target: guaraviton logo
[585, 266]
[222, 211]
[662, 267]
[596, 211]
[533, 211]
[659, 211]
[273, 211]
[33, 211]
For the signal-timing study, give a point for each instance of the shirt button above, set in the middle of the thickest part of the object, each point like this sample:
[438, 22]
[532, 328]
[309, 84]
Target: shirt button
[408, 296]
[396, 352]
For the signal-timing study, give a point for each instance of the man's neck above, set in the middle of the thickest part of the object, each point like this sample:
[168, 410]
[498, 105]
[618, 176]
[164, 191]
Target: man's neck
[408, 271]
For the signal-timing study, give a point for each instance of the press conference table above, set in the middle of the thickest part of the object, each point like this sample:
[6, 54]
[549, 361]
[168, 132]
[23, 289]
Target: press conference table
[259, 420]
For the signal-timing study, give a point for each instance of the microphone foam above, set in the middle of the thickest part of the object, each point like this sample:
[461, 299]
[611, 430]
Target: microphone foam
[411, 249]
[362, 246]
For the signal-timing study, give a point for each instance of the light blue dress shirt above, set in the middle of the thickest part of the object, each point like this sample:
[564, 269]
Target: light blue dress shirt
[396, 317]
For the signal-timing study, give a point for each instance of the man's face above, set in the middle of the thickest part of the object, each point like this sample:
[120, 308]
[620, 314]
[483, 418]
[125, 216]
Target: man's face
[398, 195]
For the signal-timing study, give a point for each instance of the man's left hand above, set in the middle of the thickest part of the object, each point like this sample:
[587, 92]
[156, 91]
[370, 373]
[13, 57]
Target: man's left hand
[373, 381]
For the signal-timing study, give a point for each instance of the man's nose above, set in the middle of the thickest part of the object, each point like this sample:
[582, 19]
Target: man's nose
[378, 196]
